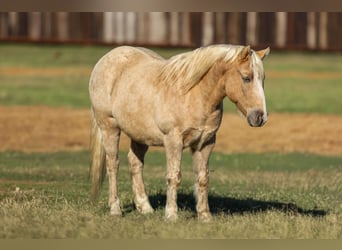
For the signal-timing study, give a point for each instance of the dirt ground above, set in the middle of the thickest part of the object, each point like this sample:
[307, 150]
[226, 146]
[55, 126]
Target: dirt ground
[46, 129]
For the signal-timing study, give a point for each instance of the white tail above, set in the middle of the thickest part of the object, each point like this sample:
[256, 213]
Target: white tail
[97, 169]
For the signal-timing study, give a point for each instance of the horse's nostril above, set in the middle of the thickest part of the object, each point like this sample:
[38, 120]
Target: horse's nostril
[256, 118]
[261, 121]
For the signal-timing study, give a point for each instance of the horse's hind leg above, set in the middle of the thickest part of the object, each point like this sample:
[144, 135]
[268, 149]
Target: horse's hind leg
[136, 161]
[111, 137]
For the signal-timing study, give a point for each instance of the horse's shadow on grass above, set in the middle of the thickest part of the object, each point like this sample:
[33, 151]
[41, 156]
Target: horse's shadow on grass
[226, 205]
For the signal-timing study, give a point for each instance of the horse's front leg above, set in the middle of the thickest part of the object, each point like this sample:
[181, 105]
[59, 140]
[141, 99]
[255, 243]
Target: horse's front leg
[200, 161]
[173, 149]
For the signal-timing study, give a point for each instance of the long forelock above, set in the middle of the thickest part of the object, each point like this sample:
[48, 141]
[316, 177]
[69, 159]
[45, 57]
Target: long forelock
[186, 70]
[256, 64]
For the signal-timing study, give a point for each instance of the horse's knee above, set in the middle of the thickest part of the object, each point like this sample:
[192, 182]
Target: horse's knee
[203, 179]
[135, 165]
[112, 163]
[174, 180]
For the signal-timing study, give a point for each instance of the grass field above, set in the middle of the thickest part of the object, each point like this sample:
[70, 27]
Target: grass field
[251, 196]
[266, 195]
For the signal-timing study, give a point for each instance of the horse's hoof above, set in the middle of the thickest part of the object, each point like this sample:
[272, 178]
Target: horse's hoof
[205, 217]
[171, 217]
[115, 211]
[145, 209]
[116, 214]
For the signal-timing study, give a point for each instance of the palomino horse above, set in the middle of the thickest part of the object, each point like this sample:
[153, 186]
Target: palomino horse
[175, 103]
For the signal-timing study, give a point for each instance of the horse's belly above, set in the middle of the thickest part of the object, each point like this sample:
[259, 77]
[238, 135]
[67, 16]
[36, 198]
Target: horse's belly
[141, 130]
[145, 138]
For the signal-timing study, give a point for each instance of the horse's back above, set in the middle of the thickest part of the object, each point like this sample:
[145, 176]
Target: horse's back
[113, 67]
[121, 58]
[128, 55]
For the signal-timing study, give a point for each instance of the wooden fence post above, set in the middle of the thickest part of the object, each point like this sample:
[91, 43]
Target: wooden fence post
[233, 28]
[3, 25]
[174, 28]
[47, 25]
[208, 28]
[35, 25]
[62, 26]
[220, 29]
[13, 21]
[186, 30]
[141, 28]
[311, 30]
[280, 30]
[119, 23]
[157, 28]
[108, 29]
[130, 27]
[252, 28]
[323, 36]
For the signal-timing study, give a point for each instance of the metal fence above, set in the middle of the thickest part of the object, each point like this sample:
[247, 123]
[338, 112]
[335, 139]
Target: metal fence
[282, 30]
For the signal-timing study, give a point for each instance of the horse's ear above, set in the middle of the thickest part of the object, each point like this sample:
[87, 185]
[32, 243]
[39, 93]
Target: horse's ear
[263, 53]
[245, 53]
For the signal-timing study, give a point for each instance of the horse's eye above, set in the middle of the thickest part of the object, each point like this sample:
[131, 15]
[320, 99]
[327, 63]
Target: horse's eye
[246, 79]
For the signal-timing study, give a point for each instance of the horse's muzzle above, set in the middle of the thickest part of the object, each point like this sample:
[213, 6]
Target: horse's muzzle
[256, 118]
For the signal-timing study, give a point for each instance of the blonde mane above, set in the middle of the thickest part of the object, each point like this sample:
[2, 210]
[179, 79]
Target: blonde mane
[187, 69]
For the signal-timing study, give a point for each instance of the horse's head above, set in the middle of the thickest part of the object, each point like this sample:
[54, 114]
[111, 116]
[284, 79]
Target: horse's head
[244, 85]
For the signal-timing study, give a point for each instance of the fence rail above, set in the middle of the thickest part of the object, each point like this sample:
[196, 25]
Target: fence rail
[298, 30]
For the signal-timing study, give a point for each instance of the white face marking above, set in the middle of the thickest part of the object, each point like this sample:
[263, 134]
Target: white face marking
[258, 72]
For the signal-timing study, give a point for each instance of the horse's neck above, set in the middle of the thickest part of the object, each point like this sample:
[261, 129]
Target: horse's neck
[211, 89]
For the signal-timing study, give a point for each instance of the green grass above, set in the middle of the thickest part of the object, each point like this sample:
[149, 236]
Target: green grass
[45, 195]
[69, 91]
[26, 55]
[304, 93]
[311, 62]
[286, 93]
